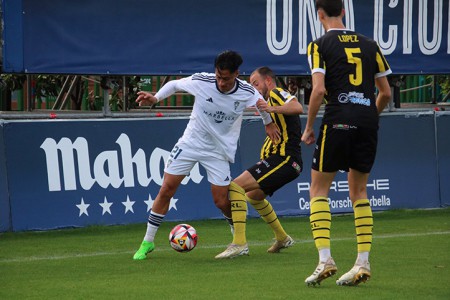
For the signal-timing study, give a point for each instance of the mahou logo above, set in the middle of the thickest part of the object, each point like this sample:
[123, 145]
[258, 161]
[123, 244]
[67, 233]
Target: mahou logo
[113, 168]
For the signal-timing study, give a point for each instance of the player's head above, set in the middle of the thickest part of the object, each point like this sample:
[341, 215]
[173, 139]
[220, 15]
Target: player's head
[333, 8]
[263, 79]
[228, 60]
[226, 67]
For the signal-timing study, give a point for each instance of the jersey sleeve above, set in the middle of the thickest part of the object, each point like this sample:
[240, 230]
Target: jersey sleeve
[267, 119]
[281, 96]
[173, 86]
[315, 60]
[383, 68]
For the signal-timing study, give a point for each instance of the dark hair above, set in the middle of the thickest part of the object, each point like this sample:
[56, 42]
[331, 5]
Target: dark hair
[228, 60]
[332, 8]
[266, 72]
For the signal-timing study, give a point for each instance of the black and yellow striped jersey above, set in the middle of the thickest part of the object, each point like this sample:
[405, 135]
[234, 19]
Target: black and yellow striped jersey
[289, 125]
[350, 62]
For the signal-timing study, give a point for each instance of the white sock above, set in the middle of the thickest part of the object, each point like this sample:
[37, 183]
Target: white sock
[362, 258]
[154, 220]
[324, 254]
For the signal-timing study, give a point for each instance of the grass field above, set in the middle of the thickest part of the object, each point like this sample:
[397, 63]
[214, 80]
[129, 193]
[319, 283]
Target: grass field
[410, 260]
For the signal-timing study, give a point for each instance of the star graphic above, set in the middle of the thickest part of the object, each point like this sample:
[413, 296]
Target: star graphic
[83, 208]
[128, 205]
[149, 202]
[173, 202]
[106, 206]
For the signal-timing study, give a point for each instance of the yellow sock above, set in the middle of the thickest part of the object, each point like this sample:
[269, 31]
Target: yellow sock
[265, 210]
[363, 224]
[320, 220]
[238, 213]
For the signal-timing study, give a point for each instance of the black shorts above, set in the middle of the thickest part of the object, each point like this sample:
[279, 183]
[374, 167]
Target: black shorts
[340, 147]
[275, 171]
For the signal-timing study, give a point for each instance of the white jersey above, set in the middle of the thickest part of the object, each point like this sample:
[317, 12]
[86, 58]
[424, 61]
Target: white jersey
[215, 121]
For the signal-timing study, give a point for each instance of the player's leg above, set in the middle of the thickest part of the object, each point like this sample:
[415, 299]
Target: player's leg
[219, 175]
[178, 166]
[264, 178]
[257, 198]
[330, 155]
[364, 144]
[157, 213]
[320, 220]
[238, 206]
[360, 272]
[243, 183]
[220, 198]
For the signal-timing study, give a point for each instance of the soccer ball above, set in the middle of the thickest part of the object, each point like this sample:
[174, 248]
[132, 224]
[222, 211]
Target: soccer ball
[183, 238]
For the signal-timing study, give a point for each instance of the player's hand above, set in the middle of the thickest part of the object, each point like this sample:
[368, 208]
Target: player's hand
[146, 99]
[308, 137]
[273, 132]
[263, 106]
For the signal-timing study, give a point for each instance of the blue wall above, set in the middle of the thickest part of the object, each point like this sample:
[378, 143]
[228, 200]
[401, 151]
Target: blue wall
[64, 173]
[443, 149]
[182, 37]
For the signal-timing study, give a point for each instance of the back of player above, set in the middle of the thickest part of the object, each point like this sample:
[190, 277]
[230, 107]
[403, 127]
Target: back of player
[352, 61]
[345, 66]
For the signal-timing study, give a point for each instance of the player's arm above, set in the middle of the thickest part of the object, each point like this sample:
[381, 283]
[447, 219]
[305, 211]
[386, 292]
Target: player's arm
[146, 98]
[315, 100]
[292, 107]
[384, 93]
[267, 119]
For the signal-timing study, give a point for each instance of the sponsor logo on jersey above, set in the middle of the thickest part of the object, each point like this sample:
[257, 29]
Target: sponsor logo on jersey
[297, 167]
[209, 100]
[354, 97]
[219, 116]
[341, 126]
[236, 104]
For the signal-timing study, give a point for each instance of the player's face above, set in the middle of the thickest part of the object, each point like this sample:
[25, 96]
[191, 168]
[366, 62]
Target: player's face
[259, 83]
[226, 80]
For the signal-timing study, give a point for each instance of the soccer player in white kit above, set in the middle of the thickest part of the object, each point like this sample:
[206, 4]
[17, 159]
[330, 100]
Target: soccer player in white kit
[210, 137]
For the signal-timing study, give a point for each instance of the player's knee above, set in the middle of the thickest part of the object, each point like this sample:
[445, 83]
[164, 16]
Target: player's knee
[167, 191]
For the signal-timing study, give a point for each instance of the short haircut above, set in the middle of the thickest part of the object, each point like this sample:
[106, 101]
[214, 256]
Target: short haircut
[332, 8]
[228, 60]
[266, 72]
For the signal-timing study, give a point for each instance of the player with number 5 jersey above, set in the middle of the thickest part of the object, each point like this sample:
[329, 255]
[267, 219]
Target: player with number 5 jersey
[346, 67]
[350, 62]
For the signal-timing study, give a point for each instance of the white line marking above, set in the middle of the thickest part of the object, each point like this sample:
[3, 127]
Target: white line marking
[59, 257]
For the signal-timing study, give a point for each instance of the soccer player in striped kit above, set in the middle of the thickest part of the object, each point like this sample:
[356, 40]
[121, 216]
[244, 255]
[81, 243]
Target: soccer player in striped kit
[280, 163]
[345, 66]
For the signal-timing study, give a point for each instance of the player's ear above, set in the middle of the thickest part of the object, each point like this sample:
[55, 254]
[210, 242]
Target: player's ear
[321, 14]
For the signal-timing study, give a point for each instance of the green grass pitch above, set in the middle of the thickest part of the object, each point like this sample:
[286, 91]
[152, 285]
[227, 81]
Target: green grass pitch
[410, 259]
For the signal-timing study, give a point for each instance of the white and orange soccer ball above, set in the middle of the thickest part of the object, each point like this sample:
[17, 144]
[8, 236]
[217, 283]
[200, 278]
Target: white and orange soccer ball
[183, 238]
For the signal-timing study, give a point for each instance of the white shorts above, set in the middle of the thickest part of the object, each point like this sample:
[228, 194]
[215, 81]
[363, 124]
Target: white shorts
[183, 159]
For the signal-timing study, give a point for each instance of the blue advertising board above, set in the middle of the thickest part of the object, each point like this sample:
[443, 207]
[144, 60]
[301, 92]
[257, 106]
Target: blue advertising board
[396, 180]
[443, 150]
[5, 215]
[78, 173]
[139, 37]
[72, 173]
